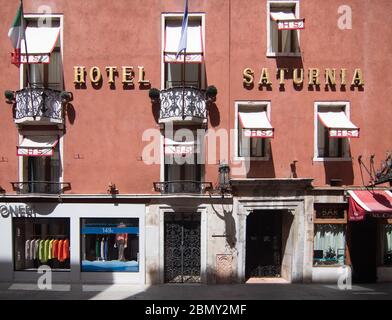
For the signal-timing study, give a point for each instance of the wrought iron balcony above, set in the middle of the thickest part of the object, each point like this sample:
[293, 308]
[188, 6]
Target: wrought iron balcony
[183, 104]
[42, 187]
[38, 105]
[183, 186]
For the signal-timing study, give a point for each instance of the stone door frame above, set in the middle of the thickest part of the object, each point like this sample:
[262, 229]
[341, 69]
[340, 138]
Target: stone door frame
[296, 240]
[202, 210]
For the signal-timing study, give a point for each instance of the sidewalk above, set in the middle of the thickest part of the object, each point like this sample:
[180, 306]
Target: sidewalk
[22, 291]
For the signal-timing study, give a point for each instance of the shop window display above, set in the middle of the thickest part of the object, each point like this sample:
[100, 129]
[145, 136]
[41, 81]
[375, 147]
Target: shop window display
[41, 241]
[329, 245]
[388, 245]
[110, 245]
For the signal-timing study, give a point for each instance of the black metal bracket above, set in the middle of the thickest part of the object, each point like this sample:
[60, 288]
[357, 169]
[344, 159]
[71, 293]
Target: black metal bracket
[381, 176]
[385, 173]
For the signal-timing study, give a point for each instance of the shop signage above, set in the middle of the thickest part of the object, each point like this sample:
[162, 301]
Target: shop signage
[311, 76]
[110, 230]
[127, 74]
[382, 215]
[330, 212]
[17, 211]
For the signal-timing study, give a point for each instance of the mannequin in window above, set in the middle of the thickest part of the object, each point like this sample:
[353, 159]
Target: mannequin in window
[121, 242]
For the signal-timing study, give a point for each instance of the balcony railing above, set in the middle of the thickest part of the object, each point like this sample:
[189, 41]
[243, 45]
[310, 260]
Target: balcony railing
[43, 187]
[183, 186]
[183, 103]
[38, 105]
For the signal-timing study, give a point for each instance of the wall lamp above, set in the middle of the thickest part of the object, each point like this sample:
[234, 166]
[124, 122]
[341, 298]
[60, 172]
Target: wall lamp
[10, 96]
[66, 96]
[224, 179]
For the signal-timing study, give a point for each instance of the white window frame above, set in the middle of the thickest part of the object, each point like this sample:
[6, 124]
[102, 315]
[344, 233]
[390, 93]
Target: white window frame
[200, 147]
[59, 133]
[166, 16]
[269, 44]
[346, 150]
[262, 104]
[59, 17]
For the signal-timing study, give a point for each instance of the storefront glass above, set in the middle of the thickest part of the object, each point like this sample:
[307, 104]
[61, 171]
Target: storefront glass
[41, 241]
[388, 245]
[329, 244]
[110, 245]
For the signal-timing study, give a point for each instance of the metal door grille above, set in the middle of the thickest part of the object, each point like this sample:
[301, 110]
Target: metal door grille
[182, 248]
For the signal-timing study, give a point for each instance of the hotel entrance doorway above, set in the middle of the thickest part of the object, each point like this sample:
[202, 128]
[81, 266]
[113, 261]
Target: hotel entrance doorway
[263, 244]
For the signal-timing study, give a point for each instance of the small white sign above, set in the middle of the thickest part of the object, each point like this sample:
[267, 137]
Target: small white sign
[35, 152]
[179, 149]
[344, 133]
[258, 133]
[35, 58]
[291, 24]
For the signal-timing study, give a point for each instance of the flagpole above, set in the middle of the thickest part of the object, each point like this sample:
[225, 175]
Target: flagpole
[28, 75]
[183, 86]
[182, 48]
[25, 44]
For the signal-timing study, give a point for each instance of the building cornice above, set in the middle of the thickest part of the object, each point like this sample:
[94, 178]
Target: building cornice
[303, 183]
[141, 198]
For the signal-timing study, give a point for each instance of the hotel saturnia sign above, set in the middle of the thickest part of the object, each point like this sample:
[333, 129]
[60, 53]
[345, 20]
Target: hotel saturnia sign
[300, 76]
[128, 75]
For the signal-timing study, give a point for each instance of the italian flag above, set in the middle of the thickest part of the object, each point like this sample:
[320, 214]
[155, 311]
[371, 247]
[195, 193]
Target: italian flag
[16, 34]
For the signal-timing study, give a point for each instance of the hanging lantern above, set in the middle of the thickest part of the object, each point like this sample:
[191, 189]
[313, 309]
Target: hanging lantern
[224, 178]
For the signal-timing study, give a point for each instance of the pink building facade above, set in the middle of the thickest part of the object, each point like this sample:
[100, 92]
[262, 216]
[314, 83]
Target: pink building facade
[243, 158]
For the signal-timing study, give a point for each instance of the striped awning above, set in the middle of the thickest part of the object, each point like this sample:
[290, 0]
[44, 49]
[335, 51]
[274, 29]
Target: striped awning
[179, 148]
[287, 21]
[339, 125]
[40, 42]
[37, 146]
[194, 50]
[256, 125]
[376, 203]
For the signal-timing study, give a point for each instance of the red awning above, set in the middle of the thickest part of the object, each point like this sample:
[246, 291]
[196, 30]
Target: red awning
[287, 21]
[37, 146]
[40, 43]
[256, 125]
[179, 148]
[339, 126]
[376, 203]
[194, 49]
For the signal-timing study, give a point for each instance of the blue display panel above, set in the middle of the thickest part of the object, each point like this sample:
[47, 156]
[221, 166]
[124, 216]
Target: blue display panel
[110, 230]
[110, 244]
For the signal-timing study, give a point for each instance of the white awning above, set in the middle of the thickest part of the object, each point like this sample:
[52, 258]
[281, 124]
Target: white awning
[40, 43]
[276, 16]
[179, 148]
[194, 51]
[339, 125]
[287, 21]
[256, 125]
[37, 146]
